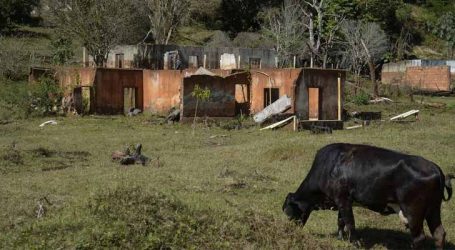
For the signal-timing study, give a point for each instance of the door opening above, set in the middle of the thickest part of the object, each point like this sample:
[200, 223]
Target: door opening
[313, 104]
[129, 99]
[83, 99]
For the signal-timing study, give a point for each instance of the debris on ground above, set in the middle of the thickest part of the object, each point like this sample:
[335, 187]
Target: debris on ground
[128, 158]
[354, 127]
[118, 155]
[215, 136]
[434, 104]
[50, 122]
[400, 117]
[173, 116]
[279, 106]
[315, 129]
[134, 112]
[283, 122]
[381, 100]
[40, 208]
[366, 116]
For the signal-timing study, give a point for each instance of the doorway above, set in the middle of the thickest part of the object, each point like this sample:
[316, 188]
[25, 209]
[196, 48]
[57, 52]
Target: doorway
[83, 99]
[129, 99]
[313, 104]
[271, 95]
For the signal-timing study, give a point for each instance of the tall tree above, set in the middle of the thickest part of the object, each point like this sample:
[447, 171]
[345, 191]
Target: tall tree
[364, 43]
[164, 17]
[285, 27]
[98, 24]
[445, 29]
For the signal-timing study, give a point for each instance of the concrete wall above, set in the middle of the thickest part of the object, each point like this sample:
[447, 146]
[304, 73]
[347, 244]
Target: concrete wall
[436, 78]
[394, 73]
[221, 102]
[152, 56]
[109, 85]
[162, 90]
[284, 79]
[327, 82]
[129, 57]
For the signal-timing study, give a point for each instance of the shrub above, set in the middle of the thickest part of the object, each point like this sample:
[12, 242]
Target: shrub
[46, 96]
[361, 99]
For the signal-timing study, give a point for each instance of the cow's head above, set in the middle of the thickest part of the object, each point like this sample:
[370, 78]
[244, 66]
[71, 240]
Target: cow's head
[296, 210]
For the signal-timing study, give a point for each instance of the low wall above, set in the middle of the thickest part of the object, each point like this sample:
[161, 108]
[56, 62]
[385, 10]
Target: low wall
[436, 78]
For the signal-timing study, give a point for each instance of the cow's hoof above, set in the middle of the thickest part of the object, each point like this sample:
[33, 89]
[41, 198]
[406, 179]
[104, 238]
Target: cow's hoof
[357, 243]
[340, 235]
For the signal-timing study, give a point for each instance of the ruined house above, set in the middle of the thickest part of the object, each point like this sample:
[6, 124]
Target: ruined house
[317, 94]
[159, 57]
[421, 75]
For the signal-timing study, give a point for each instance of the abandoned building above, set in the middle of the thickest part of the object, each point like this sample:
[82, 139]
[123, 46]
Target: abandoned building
[159, 57]
[317, 94]
[421, 75]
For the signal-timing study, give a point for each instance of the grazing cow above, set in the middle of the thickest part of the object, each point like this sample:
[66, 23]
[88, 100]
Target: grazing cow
[381, 180]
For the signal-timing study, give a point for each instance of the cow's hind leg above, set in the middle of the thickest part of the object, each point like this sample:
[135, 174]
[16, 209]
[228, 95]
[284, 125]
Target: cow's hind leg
[433, 219]
[415, 216]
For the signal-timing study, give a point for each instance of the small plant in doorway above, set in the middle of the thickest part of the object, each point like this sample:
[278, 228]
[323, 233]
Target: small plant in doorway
[201, 95]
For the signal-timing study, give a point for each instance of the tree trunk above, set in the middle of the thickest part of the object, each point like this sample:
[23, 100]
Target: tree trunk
[168, 36]
[375, 84]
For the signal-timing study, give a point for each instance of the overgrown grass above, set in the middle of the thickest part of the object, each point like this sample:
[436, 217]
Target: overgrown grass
[207, 192]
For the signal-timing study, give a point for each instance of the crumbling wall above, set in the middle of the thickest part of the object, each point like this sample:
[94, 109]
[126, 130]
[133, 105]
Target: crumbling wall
[327, 82]
[152, 56]
[161, 90]
[222, 102]
[284, 79]
[109, 85]
[435, 78]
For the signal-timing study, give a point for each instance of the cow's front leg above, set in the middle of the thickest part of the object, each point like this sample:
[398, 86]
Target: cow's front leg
[341, 226]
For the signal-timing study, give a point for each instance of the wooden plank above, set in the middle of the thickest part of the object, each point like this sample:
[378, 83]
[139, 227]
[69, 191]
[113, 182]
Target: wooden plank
[279, 123]
[405, 115]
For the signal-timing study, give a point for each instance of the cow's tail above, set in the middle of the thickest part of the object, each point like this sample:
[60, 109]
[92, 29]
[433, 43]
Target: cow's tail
[448, 187]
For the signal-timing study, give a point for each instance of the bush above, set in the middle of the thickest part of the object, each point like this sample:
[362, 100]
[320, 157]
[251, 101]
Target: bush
[46, 96]
[361, 99]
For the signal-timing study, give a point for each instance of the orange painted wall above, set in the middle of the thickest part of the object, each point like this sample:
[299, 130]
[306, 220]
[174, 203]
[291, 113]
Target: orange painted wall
[284, 79]
[161, 90]
[73, 77]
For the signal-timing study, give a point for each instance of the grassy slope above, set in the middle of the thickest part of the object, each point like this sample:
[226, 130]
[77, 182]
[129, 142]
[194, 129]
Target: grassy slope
[228, 176]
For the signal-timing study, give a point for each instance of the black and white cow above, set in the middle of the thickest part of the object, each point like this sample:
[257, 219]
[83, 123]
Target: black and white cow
[381, 180]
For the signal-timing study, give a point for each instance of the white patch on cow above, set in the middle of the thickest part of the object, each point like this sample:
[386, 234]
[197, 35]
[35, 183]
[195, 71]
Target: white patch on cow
[402, 217]
[397, 210]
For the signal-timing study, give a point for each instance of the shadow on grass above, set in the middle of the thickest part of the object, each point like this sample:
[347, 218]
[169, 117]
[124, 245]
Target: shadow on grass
[392, 239]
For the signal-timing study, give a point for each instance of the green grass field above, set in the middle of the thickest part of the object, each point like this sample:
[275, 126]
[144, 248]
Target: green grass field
[198, 191]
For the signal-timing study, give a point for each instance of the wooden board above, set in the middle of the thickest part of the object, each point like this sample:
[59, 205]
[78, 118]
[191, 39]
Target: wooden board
[313, 103]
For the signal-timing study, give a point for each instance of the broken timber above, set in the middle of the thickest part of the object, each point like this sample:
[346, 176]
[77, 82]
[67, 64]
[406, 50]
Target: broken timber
[277, 107]
[281, 123]
[405, 115]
